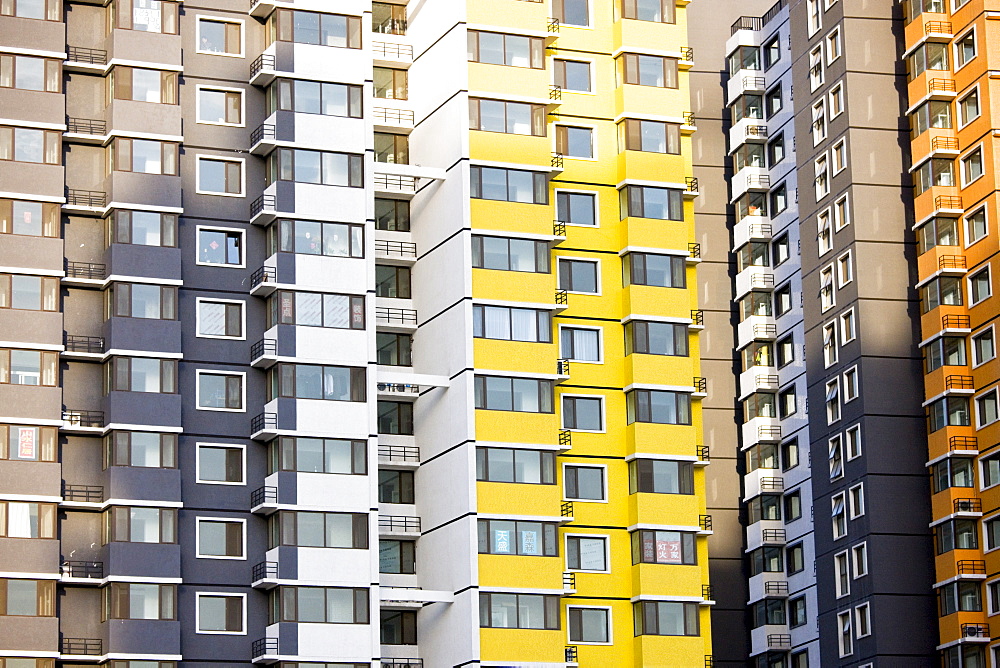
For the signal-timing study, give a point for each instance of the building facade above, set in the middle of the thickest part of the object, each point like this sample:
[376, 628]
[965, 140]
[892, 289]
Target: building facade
[266, 395]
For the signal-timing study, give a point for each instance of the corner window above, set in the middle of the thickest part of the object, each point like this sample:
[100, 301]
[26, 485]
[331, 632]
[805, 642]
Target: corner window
[221, 464]
[221, 539]
[46, 10]
[220, 614]
[139, 300]
[651, 136]
[310, 529]
[508, 117]
[27, 598]
[143, 156]
[650, 202]
[666, 618]
[315, 309]
[27, 520]
[506, 254]
[656, 338]
[140, 525]
[314, 381]
[288, 25]
[314, 97]
[948, 411]
[316, 167]
[34, 219]
[658, 406]
[662, 11]
[146, 16]
[223, 38]
[143, 228]
[141, 374]
[141, 449]
[664, 271]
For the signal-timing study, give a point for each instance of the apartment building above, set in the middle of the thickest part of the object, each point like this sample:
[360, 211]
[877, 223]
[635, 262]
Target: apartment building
[949, 50]
[350, 338]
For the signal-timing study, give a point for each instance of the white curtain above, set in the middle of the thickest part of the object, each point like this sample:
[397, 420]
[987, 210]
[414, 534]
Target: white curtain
[523, 324]
[497, 322]
[19, 520]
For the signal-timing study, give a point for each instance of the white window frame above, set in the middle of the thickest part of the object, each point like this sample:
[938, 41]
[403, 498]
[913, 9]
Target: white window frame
[208, 300]
[220, 19]
[228, 520]
[838, 593]
[958, 49]
[824, 232]
[859, 560]
[841, 213]
[573, 59]
[604, 477]
[855, 429]
[833, 45]
[218, 158]
[581, 259]
[982, 473]
[851, 385]
[817, 72]
[845, 269]
[964, 163]
[975, 402]
[830, 353]
[828, 297]
[845, 633]
[814, 17]
[969, 240]
[593, 136]
[215, 372]
[221, 89]
[819, 123]
[214, 228]
[218, 594]
[847, 321]
[197, 455]
[856, 501]
[832, 386]
[607, 550]
[597, 206]
[976, 362]
[862, 611]
[600, 343]
[962, 120]
[838, 156]
[836, 100]
[821, 170]
[986, 547]
[604, 414]
[968, 287]
[610, 627]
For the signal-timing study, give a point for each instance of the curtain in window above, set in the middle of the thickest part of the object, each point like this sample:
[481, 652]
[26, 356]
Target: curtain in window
[585, 345]
[497, 322]
[20, 520]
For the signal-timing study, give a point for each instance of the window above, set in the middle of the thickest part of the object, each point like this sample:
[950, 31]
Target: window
[645, 70]
[140, 525]
[965, 49]
[845, 641]
[759, 404]
[139, 300]
[856, 499]
[796, 558]
[762, 456]
[839, 154]
[220, 319]
[952, 472]
[313, 28]
[318, 455]
[666, 618]
[931, 114]
[650, 202]
[827, 296]
[793, 506]
[815, 15]
[747, 106]
[838, 516]
[306, 529]
[34, 219]
[30, 73]
[315, 238]
[778, 199]
[991, 528]
[833, 48]
[789, 455]
[986, 409]
[142, 449]
[842, 575]
[509, 185]
[510, 117]
[836, 100]
[586, 553]
[832, 401]
[220, 37]
[24, 443]
[651, 136]
[141, 374]
[589, 625]
[143, 85]
[775, 150]
[656, 338]
[662, 11]
[959, 596]
[517, 538]
[928, 56]
[314, 97]
[27, 520]
[388, 19]
[664, 547]
[525, 395]
[968, 108]
[508, 254]
[764, 507]
[786, 402]
[50, 10]
[395, 417]
[220, 107]
[395, 486]
[859, 559]
[221, 613]
[744, 58]
[949, 411]
[392, 148]
[393, 349]
[512, 50]
[398, 627]
[990, 470]
[972, 167]
[314, 309]
[576, 208]
[220, 177]
[818, 122]
[975, 227]
[146, 16]
[509, 465]
[391, 84]
[220, 464]
[218, 246]
[518, 611]
[390, 214]
[584, 483]
[125, 600]
[392, 281]
[847, 332]
[748, 155]
[824, 233]
[221, 539]
[312, 381]
[661, 476]
[945, 290]
[751, 204]
[665, 271]
[143, 228]
[220, 391]
[983, 347]
[29, 293]
[397, 556]
[329, 605]
[969, 656]
[317, 167]
[658, 406]
[583, 413]
[512, 324]
[575, 142]
[572, 76]
[768, 611]
[845, 270]
[851, 388]
[836, 457]
[579, 276]
[772, 101]
[766, 560]
[772, 52]
[28, 145]
[579, 344]
[979, 286]
[957, 534]
[822, 173]
[28, 367]
[783, 300]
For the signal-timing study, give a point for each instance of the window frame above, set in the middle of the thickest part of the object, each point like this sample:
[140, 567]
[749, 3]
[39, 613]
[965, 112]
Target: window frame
[570, 259]
[199, 18]
[225, 303]
[229, 446]
[563, 413]
[608, 624]
[242, 408]
[200, 88]
[204, 157]
[577, 465]
[197, 612]
[600, 343]
[199, 519]
[604, 538]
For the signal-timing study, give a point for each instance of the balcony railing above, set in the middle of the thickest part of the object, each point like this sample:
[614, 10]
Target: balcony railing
[83, 569]
[762, 280]
[263, 203]
[552, 24]
[557, 160]
[700, 384]
[970, 505]
[956, 322]
[565, 438]
[392, 116]
[572, 656]
[709, 661]
[944, 143]
[562, 367]
[86, 126]
[405, 523]
[765, 330]
[773, 484]
[702, 453]
[963, 443]
[769, 432]
[262, 348]
[687, 53]
[81, 646]
[697, 316]
[562, 297]
[956, 382]
[83, 418]
[555, 92]
[569, 580]
[705, 522]
[390, 26]
[948, 202]
[93, 198]
[84, 493]
[952, 262]
[558, 228]
[396, 182]
[262, 495]
[86, 269]
[694, 250]
[692, 184]
[265, 570]
[775, 9]
[263, 275]
[400, 453]
[263, 646]
[941, 86]
[395, 51]
[412, 663]
[707, 592]
[396, 248]
[779, 641]
[395, 316]
[80, 54]
[264, 61]
[776, 587]
[689, 118]
[84, 344]
[263, 421]
[976, 631]
[756, 132]
[971, 567]
[265, 131]
[773, 535]
[566, 509]
[747, 23]
[755, 83]
[937, 27]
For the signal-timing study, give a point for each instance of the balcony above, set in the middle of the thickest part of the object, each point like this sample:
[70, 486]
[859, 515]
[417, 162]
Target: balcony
[81, 647]
[691, 188]
[85, 273]
[776, 588]
[697, 319]
[83, 493]
[399, 456]
[82, 59]
[977, 632]
[263, 210]
[264, 426]
[689, 124]
[396, 184]
[391, 319]
[403, 252]
[262, 69]
[265, 575]
[263, 140]
[390, 54]
[705, 522]
[264, 500]
[963, 443]
[83, 347]
[264, 354]
[747, 23]
[82, 421]
[941, 89]
[86, 130]
[938, 31]
[956, 384]
[779, 641]
[87, 571]
[263, 281]
[952, 264]
[971, 567]
[387, 118]
[264, 650]
[948, 205]
[398, 524]
[970, 506]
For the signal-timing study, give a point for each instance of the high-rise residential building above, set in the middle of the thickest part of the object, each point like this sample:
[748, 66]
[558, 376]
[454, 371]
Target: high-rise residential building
[350, 336]
[950, 57]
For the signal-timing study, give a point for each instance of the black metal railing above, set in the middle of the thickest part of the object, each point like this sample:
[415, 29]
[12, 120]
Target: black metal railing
[700, 384]
[566, 510]
[396, 51]
[405, 388]
[395, 316]
[263, 495]
[956, 322]
[405, 523]
[263, 421]
[952, 262]
[572, 656]
[396, 248]
[76, 197]
[772, 484]
[975, 631]
[776, 587]
[557, 160]
[569, 580]
[555, 92]
[562, 367]
[565, 438]
[412, 663]
[970, 505]
[702, 453]
[83, 646]
[694, 250]
[779, 640]
[697, 316]
[558, 228]
[692, 184]
[262, 348]
[396, 182]
[93, 570]
[773, 535]
[963, 443]
[264, 61]
[263, 275]
[709, 661]
[85, 269]
[769, 432]
[262, 132]
[265, 570]
[562, 297]
[263, 646]
[747, 23]
[705, 522]
[263, 203]
[689, 118]
[84, 493]
[393, 116]
[687, 53]
[552, 24]
[84, 344]
[83, 418]
[706, 592]
[773, 12]
[971, 567]
[957, 382]
[81, 54]
[86, 126]
[400, 453]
